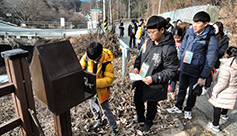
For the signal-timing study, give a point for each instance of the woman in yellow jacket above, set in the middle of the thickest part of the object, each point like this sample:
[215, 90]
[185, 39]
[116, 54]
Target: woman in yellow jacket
[98, 60]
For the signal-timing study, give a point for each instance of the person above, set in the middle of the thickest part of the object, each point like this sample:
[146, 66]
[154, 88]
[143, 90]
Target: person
[223, 45]
[132, 29]
[121, 28]
[224, 93]
[177, 34]
[93, 61]
[198, 53]
[177, 23]
[168, 26]
[184, 26]
[141, 27]
[159, 56]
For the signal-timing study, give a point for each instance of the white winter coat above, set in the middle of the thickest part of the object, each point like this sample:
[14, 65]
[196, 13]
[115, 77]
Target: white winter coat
[226, 86]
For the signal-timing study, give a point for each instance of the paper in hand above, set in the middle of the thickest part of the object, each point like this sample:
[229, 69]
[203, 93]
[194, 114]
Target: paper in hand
[135, 77]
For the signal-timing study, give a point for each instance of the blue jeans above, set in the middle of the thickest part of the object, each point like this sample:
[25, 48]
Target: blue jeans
[105, 109]
[186, 81]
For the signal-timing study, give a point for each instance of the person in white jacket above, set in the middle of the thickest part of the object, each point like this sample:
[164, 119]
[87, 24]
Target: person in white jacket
[224, 95]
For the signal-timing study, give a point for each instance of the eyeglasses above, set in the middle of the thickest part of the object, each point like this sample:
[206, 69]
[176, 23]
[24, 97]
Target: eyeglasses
[152, 33]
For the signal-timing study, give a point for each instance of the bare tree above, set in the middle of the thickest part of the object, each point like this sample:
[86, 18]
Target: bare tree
[25, 10]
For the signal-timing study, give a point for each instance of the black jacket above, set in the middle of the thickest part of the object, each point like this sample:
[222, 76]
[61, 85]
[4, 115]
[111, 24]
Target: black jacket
[223, 45]
[163, 62]
[130, 33]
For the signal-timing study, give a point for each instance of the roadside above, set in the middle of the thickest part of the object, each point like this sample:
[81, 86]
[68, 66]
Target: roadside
[202, 114]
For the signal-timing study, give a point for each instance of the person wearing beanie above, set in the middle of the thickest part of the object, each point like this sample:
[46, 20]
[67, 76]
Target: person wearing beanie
[97, 60]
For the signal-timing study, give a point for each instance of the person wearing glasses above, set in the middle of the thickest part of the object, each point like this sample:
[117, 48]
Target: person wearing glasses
[157, 62]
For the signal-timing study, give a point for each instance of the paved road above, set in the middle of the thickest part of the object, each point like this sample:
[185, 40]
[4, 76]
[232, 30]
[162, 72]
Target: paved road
[47, 33]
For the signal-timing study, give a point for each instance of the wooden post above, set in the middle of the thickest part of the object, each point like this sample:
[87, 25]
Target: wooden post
[62, 124]
[18, 73]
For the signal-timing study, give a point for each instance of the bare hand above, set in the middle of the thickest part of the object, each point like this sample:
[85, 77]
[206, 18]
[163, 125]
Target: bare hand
[135, 71]
[214, 95]
[147, 80]
[201, 81]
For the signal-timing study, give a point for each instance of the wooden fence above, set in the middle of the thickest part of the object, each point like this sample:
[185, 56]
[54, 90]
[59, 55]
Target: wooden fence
[20, 87]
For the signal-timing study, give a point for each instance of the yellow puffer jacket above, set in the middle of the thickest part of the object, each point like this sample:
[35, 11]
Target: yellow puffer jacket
[103, 81]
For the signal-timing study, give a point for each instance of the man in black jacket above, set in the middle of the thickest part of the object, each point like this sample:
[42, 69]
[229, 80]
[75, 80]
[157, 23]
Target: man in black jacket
[132, 29]
[157, 62]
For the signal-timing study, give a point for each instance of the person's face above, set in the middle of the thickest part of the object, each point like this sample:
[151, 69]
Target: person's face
[179, 22]
[177, 38]
[156, 35]
[199, 26]
[216, 29]
[97, 59]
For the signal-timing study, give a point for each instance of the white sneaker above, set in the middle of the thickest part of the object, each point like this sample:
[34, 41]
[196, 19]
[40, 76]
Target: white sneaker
[174, 110]
[204, 90]
[187, 115]
[215, 128]
[225, 117]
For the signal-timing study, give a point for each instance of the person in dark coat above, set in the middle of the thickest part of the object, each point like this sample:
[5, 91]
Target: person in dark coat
[223, 41]
[223, 45]
[132, 29]
[121, 28]
[169, 27]
[198, 53]
[159, 56]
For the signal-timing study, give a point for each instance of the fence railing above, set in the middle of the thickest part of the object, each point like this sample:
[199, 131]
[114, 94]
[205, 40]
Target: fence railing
[20, 87]
[46, 24]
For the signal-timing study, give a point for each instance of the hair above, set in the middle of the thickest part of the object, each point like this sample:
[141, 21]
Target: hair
[168, 20]
[176, 22]
[94, 50]
[201, 16]
[156, 22]
[177, 31]
[133, 20]
[220, 26]
[232, 52]
[184, 26]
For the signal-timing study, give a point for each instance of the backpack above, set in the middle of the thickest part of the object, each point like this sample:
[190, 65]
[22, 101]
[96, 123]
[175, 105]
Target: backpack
[103, 65]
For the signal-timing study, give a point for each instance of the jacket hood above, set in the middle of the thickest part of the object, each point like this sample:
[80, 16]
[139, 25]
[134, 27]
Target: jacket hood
[168, 40]
[227, 62]
[107, 55]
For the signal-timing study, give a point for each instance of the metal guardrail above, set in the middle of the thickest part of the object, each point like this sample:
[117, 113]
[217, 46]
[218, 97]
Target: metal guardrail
[125, 55]
[7, 23]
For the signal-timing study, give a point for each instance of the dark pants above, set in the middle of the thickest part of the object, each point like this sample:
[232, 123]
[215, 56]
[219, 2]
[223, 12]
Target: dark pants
[186, 81]
[132, 40]
[121, 31]
[208, 81]
[217, 113]
[140, 107]
[174, 80]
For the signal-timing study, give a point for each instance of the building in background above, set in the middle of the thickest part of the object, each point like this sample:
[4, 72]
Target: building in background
[96, 16]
